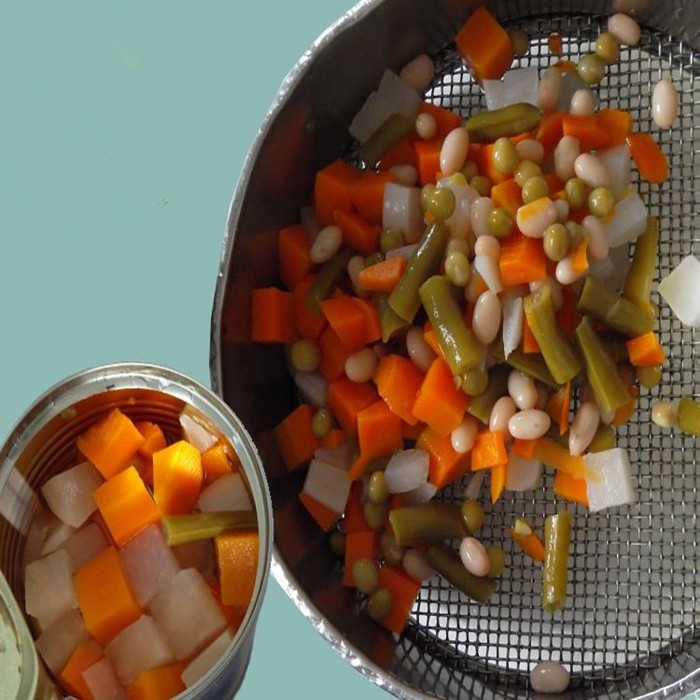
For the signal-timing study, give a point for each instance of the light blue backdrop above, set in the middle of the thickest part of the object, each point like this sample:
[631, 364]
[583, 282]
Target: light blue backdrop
[124, 128]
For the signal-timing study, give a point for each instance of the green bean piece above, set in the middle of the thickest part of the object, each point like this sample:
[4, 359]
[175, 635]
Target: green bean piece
[474, 381]
[393, 130]
[448, 564]
[180, 529]
[379, 604]
[649, 377]
[640, 277]
[556, 349]
[460, 348]
[472, 515]
[605, 380]
[327, 279]
[532, 364]
[391, 323]
[604, 439]
[604, 304]
[480, 406]
[425, 523]
[425, 261]
[507, 121]
[689, 416]
[555, 572]
[391, 239]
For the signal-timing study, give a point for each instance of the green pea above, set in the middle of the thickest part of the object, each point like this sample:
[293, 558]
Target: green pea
[519, 41]
[457, 268]
[390, 239]
[556, 242]
[601, 201]
[535, 188]
[604, 439]
[376, 515]
[575, 191]
[481, 184]
[575, 233]
[607, 47]
[442, 203]
[497, 561]
[649, 377]
[426, 195]
[365, 575]
[321, 423]
[379, 604]
[472, 515]
[591, 69]
[470, 170]
[505, 156]
[500, 222]
[525, 170]
[305, 355]
[377, 488]
[474, 381]
[336, 541]
[392, 553]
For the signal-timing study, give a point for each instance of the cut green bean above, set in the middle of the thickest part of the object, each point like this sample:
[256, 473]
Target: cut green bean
[393, 130]
[460, 348]
[328, 278]
[180, 529]
[531, 364]
[425, 523]
[689, 416]
[481, 406]
[425, 262]
[507, 121]
[604, 439]
[555, 572]
[556, 349]
[641, 273]
[448, 564]
[605, 380]
[391, 323]
[604, 304]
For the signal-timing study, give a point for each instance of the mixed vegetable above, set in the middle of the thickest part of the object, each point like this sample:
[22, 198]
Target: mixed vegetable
[140, 571]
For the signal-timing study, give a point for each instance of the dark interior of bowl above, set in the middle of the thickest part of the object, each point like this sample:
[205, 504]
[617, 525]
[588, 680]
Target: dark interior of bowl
[629, 627]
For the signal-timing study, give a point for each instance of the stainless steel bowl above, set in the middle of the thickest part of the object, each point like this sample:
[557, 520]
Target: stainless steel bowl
[630, 626]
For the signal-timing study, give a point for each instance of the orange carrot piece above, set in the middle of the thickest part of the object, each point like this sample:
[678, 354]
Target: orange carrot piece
[487, 166]
[646, 350]
[237, 562]
[402, 153]
[334, 439]
[359, 545]
[234, 614]
[587, 129]
[308, 324]
[580, 261]
[110, 443]
[294, 255]
[549, 132]
[153, 438]
[446, 465]
[367, 193]
[412, 432]
[357, 232]
[555, 44]
[272, 316]
[378, 433]
[177, 478]
[333, 355]
[348, 320]
[530, 344]
[295, 439]
[445, 119]
[215, 463]
[346, 399]
[525, 448]
[647, 155]
[332, 190]
[439, 403]
[617, 124]
[568, 317]
[160, 683]
[126, 505]
[558, 407]
[398, 381]
[382, 276]
[325, 517]
[624, 412]
[404, 591]
[522, 260]
[553, 182]
[85, 655]
[489, 450]
[571, 489]
[559, 458]
[485, 45]
[104, 597]
[428, 159]
[498, 481]
[529, 542]
[373, 326]
[432, 341]
[508, 195]
[354, 519]
[565, 67]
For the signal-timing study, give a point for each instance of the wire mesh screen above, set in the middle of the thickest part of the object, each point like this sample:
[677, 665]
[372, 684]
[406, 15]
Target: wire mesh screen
[633, 585]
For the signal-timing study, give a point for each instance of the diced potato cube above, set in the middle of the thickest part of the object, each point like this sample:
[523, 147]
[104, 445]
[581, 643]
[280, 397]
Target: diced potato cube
[86, 543]
[69, 494]
[227, 493]
[207, 658]
[102, 681]
[48, 587]
[59, 640]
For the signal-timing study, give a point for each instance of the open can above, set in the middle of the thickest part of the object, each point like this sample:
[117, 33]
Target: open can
[42, 444]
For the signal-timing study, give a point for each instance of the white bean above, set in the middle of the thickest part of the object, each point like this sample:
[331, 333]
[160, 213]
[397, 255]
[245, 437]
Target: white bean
[582, 103]
[463, 436]
[565, 154]
[453, 154]
[479, 214]
[549, 90]
[529, 424]
[419, 72]
[625, 29]
[489, 246]
[562, 209]
[426, 126]
[487, 317]
[360, 366]
[533, 218]
[503, 410]
[529, 149]
[355, 265]
[549, 677]
[591, 170]
[664, 414]
[416, 567]
[664, 103]
[565, 272]
[583, 427]
[598, 240]
[406, 174]
[474, 557]
[419, 351]
[522, 390]
[326, 244]
[554, 288]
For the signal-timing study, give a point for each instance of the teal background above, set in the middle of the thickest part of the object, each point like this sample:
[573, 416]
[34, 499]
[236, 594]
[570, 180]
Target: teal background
[124, 128]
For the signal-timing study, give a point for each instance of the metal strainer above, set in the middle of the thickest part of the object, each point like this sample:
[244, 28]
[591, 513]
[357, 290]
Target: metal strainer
[629, 627]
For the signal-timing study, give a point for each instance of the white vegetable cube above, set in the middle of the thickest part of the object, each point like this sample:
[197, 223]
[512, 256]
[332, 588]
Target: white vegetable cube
[517, 85]
[196, 555]
[57, 535]
[611, 483]
[373, 113]
[513, 316]
[197, 434]
[48, 587]
[619, 164]
[421, 494]
[402, 96]
[187, 613]
[681, 291]
[228, 492]
[69, 494]
[140, 647]
[407, 470]
[202, 663]
[148, 563]
[402, 210]
[59, 640]
[328, 485]
[629, 220]
[102, 681]
[523, 474]
[85, 543]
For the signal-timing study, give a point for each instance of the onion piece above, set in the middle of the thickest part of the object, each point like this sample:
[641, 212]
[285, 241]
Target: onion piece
[460, 223]
[402, 210]
[523, 474]
[422, 494]
[512, 323]
[488, 268]
[517, 85]
[407, 470]
[629, 220]
[601, 269]
[340, 457]
[373, 113]
[619, 164]
[473, 489]
[681, 291]
[403, 97]
[570, 83]
[611, 483]
[196, 433]
[328, 485]
[312, 387]
[405, 252]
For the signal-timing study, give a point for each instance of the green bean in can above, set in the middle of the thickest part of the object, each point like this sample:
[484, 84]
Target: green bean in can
[555, 571]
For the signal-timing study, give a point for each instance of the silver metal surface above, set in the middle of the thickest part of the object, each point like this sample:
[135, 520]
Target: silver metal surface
[629, 628]
[43, 443]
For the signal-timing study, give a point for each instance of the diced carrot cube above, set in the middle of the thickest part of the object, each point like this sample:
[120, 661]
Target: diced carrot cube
[325, 517]
[404, 591]
[332, 190]
[215, 463]
[85, 655]
[272, 316]
[346, 399]
[153, 438]
[295, 439]
[446, 465]
[359, 545]
[294, 255]
[160, 683]
[237, 559]
[485, 45]
[177, 478]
